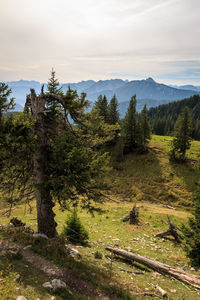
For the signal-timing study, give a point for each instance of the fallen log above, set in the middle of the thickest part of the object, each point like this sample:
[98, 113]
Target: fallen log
[193, 280]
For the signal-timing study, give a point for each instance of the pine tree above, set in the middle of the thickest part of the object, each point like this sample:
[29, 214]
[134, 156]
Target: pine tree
[53, 84]
[182, 139]
[144, 128]
[191, 233]
[53, 159]
[130, 126]
[113, 113]
[5, 103]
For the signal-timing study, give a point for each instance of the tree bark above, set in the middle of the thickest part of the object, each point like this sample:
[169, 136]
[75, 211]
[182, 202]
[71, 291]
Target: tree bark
[159, 267]
[44, 203]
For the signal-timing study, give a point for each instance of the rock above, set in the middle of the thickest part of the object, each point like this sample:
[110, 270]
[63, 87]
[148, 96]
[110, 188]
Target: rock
[47, 285]
[13, 252]
[125, 218]
[58, 284]
[27, 247]
[156, 275]
[173, 291]
[115, 240]
[126, 200]
[42, 235]
[21, 298]
[17, 277]
[73, 252]
[192, 269]
[128, 249]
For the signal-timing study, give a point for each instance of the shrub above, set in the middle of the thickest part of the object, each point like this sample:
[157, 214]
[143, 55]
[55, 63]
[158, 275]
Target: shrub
[74, 230]
[191, 233]
[98, 255]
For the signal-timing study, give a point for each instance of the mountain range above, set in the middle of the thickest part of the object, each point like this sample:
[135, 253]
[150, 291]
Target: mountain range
[147, 91]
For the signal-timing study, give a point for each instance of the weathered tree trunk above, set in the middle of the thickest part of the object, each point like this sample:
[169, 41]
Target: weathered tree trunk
[133, 216]
[159, 267]
[45, 214]
[171, 231]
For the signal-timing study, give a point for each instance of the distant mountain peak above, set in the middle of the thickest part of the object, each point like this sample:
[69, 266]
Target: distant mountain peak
[150, 79]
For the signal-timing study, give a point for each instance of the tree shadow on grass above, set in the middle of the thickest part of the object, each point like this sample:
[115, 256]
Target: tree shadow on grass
[84, 271]
[145, 173]
[188, 173]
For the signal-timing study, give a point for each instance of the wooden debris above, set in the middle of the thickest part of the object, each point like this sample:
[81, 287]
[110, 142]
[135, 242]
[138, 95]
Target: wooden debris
[16, 222]
[169, 206]
[132, 272]
[171, 231]
[179, 274]
[133, 216]
[163, 292]
[148, 295]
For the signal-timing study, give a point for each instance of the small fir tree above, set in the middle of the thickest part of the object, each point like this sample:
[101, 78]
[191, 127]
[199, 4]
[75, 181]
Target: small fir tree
[182, 139]
[74, 231]
[191, 233]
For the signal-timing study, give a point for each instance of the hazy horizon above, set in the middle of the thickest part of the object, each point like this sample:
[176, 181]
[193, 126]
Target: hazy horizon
[129, 80]
[92, 40]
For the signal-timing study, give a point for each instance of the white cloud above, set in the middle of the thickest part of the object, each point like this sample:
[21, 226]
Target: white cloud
[93, 39]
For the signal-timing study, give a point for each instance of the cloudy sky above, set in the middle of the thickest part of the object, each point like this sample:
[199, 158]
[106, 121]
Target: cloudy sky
[93, 39]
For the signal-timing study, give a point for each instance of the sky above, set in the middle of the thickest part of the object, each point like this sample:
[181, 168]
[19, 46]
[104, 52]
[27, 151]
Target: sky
[100, 39]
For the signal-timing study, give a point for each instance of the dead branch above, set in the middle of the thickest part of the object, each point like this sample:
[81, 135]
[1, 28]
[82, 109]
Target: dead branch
[171, 231]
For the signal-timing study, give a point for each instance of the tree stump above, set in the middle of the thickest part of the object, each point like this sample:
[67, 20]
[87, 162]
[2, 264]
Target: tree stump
[171, 231]
[133, 216]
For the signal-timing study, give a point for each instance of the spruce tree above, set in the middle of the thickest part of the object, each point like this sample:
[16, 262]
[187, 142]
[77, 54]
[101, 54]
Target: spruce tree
[144, 128]
[53, 84]
[130, 127]
[102, 105]
[5, 102]
[113, 113]
[74, 230]
[182, 139]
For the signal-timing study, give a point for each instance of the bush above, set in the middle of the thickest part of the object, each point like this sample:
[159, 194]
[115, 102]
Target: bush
[191, 233]
[98, 255]
[74, 230]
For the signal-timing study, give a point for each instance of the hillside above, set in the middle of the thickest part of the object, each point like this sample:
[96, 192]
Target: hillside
[156, 185]
[163, 117]
[147, 91]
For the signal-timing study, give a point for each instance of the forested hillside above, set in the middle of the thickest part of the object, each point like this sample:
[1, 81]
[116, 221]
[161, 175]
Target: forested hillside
[164, 117]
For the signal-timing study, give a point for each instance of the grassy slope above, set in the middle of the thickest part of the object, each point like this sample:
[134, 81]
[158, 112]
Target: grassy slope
[152, 177]
[143, 178]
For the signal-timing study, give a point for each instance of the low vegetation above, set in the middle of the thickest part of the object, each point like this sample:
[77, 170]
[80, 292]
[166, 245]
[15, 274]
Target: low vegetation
[154, 183]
